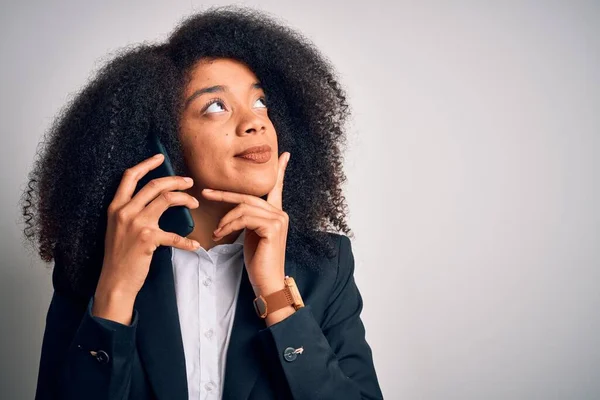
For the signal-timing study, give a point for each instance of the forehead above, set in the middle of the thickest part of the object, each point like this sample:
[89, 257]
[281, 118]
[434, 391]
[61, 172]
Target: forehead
[225, 71]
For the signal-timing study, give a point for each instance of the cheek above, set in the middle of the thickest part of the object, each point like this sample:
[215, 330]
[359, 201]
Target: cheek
[205, 159]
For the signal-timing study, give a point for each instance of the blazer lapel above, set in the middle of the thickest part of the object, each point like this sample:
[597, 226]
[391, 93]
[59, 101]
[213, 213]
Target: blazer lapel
[158, 338]
[244, 351]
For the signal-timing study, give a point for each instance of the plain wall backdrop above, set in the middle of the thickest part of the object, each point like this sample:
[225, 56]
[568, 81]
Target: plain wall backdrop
[473, 183]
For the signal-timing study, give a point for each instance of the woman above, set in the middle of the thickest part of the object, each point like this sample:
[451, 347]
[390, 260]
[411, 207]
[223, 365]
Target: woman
[239, 102]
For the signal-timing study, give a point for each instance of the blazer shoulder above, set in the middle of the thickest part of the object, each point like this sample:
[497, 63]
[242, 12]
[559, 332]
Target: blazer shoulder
[336, 239]
[341, 266]
[342, 245]
[342, 294]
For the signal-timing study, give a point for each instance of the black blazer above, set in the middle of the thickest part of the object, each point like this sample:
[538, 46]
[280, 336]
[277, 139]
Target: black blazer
[87, 357]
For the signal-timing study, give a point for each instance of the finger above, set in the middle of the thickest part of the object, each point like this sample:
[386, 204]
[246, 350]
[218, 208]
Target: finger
[245, 209]
[236, 198]
[275, 195]
[163, 238]
[158, 206]
[131, 176]
[156, 187]
[263, 227]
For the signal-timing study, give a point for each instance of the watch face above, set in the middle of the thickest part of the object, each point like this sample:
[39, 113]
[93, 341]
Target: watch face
[260, 306]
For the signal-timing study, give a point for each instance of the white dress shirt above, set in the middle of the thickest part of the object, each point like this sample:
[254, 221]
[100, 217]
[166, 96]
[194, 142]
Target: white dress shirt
[207, 286]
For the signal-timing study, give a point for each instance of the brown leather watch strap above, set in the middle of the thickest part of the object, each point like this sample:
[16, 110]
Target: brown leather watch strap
[288, 296]
[277, 300]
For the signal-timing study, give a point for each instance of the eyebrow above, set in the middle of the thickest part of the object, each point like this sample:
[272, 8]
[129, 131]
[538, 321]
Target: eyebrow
[214, 89]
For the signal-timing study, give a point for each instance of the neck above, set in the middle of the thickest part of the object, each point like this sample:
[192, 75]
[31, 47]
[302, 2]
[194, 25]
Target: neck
[206, 219]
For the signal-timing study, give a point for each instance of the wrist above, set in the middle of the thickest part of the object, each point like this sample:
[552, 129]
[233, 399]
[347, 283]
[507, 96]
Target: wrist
[269, 287]
[113, 305]
[279, 315]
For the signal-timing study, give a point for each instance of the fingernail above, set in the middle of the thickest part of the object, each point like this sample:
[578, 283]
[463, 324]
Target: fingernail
[159, 155]
[187, 179]
[196, 244]
[208, 190]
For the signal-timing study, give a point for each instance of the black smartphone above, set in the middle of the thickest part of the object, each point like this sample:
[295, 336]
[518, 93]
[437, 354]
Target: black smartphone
[176, 219]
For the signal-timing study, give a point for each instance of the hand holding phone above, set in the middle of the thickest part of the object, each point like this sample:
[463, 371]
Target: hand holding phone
[133, 234]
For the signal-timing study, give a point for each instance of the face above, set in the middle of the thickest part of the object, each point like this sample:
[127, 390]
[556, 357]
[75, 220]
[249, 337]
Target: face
[225, 114]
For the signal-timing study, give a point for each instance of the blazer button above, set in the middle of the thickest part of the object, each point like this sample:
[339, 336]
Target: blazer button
[102, 357]
[289, 354]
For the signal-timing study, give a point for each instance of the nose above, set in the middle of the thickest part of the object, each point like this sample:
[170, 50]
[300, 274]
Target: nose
[251, 123]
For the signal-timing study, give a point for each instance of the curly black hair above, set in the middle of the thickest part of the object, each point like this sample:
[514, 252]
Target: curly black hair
[102, 132]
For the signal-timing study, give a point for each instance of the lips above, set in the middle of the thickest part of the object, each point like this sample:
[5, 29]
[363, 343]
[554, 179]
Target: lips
[255, 149]
[258, 154]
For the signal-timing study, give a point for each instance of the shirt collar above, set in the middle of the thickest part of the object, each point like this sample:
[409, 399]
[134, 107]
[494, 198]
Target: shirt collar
[240, 238]
[234, 247]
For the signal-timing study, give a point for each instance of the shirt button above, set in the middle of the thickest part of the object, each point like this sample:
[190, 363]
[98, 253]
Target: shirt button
[208, 333]
[207, 281]
[210, 386]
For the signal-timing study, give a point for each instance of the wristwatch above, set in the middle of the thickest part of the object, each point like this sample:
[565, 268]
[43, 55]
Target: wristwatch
[289, 295]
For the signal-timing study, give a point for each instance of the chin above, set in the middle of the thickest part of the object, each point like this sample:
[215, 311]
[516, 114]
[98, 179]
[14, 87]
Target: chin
[254, 184]
[255, 188]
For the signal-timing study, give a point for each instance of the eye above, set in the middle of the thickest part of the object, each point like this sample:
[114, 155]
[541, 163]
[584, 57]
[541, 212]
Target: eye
[213, 102]
[263, 100]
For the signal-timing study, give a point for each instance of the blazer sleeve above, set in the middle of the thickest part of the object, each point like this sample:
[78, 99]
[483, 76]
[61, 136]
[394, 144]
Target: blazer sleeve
[84, 356]
[336, 361]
